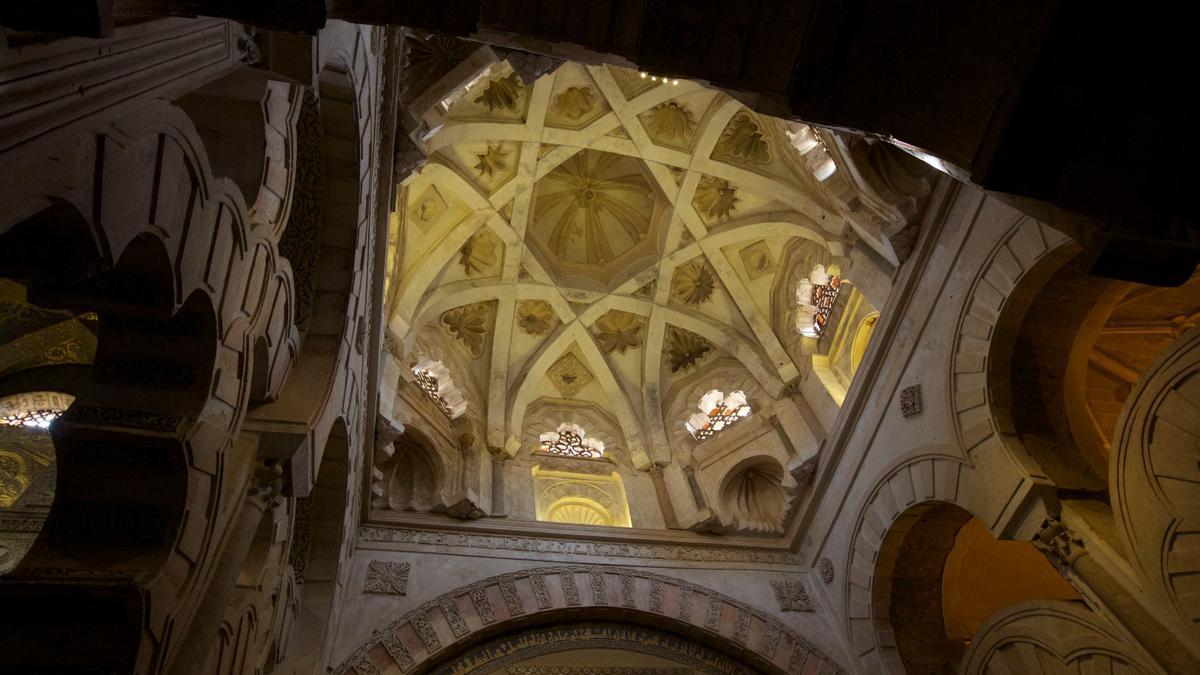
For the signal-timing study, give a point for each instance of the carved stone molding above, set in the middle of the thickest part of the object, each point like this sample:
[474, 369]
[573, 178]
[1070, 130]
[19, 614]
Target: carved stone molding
[429, 633]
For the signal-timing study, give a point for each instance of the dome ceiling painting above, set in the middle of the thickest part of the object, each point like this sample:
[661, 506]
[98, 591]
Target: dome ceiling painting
[599, 248]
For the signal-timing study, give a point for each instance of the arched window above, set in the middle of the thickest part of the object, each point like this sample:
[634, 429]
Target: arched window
[570, 440]
[33, 409]
[434, 379]
[862, 340]
[569, 496]
[579, 511]
[814, 298]
[717, 411]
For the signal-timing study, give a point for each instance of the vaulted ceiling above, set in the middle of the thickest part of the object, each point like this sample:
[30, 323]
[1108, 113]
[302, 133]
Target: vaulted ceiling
[601, 242]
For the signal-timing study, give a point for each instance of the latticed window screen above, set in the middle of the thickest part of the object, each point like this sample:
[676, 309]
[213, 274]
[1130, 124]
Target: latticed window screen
[717, 411]
[33, 409]
[570, 440]
[823, 298]
[814, 299]
[428, 383]
[31, 418]
[433, 378]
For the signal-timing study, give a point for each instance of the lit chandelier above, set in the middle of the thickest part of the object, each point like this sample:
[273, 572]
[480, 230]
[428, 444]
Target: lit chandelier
[717, 411]
[571, 440]
[814, 297]
[434, 379]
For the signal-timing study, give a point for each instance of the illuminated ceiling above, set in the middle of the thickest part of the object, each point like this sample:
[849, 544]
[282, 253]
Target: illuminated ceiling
[603, 244]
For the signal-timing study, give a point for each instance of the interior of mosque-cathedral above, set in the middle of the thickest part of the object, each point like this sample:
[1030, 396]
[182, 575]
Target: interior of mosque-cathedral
[364, 337]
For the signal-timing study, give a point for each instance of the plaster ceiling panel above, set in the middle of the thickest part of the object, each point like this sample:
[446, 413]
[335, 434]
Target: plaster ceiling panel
[573, 377]
[486, 164]
[756, 263]
[675, 123]
[684, 352]
[535, 322]
[575, 100]
[631, 83]
[481, 257]
[758, 144]
[594, 215]
[498, 96]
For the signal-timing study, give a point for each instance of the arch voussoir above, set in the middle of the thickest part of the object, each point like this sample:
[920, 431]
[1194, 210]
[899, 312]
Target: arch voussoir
[440, 628]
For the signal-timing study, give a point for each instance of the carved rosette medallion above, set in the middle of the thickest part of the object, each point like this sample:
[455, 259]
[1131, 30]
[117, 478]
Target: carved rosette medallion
[693, 283]
[536, 317]
[569, 375]
[617, 331]
[716, 198]
[825, 570]
[743, 141]
[684, 349]
[502, 93]
[575, 102]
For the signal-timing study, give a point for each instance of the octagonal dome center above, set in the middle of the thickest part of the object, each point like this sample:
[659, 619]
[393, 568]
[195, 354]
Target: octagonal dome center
[595, 213]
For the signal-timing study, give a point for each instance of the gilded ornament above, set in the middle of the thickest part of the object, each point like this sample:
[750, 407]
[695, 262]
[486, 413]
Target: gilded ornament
[715, 197]
[569, 375]
[479, 253]
[575, 102]
[618, 331]
[742, 140]
[684, 349]
[693, 283]
[469, 324]
[536, 317]
[671, 121]
[492, 160]
[502, 93]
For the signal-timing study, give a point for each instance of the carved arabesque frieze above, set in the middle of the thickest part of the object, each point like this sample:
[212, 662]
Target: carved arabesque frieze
[375, 536]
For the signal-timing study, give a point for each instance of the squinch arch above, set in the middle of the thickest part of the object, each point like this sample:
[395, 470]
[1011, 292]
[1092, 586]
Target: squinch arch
[469, 615]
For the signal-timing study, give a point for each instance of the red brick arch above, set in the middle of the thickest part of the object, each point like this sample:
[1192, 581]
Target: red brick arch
[467, 616]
